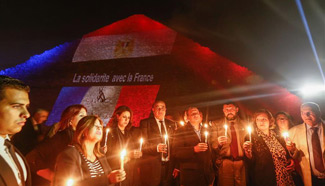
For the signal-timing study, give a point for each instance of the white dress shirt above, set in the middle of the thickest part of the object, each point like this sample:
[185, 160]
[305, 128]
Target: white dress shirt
[4, 153]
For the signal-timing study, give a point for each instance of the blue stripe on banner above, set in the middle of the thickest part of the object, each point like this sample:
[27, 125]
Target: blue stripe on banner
[68, 96]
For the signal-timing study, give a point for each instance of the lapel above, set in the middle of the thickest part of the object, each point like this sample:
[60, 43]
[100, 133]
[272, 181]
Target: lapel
[193, 134]
[303, 140]
[7, 174]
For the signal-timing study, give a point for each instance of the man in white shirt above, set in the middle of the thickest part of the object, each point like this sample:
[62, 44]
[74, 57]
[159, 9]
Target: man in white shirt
[14, 101]
[308, 145]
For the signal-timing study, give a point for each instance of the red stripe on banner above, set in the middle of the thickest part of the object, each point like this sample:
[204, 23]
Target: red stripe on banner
[135, 23]
[139, 99]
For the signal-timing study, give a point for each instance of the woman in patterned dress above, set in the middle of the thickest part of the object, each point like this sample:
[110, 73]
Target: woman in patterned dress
[268, 161]
[82, 162]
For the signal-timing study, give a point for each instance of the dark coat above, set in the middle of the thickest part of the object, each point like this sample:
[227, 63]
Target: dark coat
[261, 170]
[70, 164]
[151, 164]
[44, 155]
[115, 143]
[7, 177]
[196, 168]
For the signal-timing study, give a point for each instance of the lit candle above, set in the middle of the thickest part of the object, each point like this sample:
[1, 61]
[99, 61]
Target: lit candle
[249, 129]
[182, 123]
[206, 136]
[141, 141]
[205, 125]
[166, 137]
[226, 127]
[106, 136]
[70, 182]
[286, 136]
[123, 154]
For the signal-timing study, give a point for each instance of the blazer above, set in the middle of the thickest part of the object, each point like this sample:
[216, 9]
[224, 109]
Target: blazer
[70, 164]
[151, 164]
[298, 135]
[189, 161]
[7, 177]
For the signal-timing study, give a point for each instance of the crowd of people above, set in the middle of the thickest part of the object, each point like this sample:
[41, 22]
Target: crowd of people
[81, 150]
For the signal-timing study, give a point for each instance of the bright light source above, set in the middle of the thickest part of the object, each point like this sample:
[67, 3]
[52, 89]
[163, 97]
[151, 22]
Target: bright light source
[312, 90]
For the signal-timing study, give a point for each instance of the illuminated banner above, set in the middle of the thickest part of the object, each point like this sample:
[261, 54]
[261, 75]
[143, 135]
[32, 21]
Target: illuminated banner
[102, 100]
[130, 45]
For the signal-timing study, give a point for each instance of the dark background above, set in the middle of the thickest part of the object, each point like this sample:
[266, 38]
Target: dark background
[266, 36]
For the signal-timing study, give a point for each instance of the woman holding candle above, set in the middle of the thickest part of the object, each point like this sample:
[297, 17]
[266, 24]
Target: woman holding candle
[120, 137]
[283, 122]
[268, 161]
[83, 162]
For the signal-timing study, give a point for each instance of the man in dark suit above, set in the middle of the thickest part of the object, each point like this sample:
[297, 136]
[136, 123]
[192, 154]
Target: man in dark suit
[32, 133]
[156, 163]
[14, 101]
[192, 152]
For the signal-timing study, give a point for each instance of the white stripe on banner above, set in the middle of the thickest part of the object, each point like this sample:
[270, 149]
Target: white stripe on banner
[133, 45]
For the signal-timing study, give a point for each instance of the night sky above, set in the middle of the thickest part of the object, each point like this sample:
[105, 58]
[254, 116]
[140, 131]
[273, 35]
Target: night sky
[267, 37]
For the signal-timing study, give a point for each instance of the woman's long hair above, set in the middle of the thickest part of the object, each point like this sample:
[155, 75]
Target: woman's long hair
[82, 131]
[66, 117]
[114, 120]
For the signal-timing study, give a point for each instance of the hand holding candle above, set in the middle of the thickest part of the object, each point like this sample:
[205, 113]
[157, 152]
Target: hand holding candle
[123, 154]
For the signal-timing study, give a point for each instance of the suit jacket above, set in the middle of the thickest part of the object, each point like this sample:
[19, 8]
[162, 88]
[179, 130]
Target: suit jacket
[70, 164]
[7, 177]
[151, 164]
[189, 161]
[298, 135]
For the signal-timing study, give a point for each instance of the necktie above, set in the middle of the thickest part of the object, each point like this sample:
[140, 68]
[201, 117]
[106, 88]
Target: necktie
[14, 157]
[233, 144]
[317, 151]
[162, 129]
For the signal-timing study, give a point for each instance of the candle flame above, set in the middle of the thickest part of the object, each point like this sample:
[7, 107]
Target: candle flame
[166, 136]
[141, 140]
[70, 182]
[285, 134]
[249, 129]
[205, 125]
[206, 133]
[123, 153]
[182, 123]
[225, 126]
[107, 130]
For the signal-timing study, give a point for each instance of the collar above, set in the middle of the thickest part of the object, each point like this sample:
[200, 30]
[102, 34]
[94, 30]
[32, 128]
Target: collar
[159, 120]
[2, 141]
[317, 126]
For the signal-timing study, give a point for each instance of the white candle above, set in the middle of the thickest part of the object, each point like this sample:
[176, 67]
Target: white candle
[206, 136]
[141, 141]
[123, 154]
[166, 137]
[249, 128]
[226, 127]
[106, 136]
